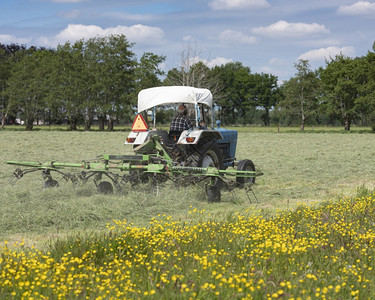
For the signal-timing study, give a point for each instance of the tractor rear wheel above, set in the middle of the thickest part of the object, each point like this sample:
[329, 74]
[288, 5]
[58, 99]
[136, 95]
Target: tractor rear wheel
[245, 165]
[212, 157]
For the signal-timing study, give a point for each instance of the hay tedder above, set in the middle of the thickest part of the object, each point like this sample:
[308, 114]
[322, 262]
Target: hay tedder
[201, 155]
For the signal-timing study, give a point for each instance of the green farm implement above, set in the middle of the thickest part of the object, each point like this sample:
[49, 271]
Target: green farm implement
[111, 172]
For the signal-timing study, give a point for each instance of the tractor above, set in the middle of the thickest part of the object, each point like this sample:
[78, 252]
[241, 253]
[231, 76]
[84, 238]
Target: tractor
[202, 146]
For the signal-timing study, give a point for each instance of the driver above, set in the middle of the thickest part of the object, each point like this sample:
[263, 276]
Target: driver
[179, 123]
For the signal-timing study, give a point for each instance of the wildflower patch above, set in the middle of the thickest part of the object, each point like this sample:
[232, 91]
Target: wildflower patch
[322, 252]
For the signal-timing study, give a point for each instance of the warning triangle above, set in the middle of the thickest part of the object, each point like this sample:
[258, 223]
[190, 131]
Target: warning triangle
[139, 124]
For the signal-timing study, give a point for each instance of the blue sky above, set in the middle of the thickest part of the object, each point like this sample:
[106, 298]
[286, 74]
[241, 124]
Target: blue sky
[266, 35]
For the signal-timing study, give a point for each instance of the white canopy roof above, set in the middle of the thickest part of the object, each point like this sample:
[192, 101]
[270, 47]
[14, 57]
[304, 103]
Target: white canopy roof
[163, 95]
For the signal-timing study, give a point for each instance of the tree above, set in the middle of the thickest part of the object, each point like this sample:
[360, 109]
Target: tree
[147, 75]
[234, 82]
[370, 85]
[196, 75]
[5, 70]
[7, 53]
[366, 100]
[112, 65]
[70, 82]
[341, 81]
[191, 70]
[301, 93]
[264, 93]
[148, 72]
[28, 85]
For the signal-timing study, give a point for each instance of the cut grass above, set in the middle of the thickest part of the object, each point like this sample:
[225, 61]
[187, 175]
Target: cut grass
[298, 168]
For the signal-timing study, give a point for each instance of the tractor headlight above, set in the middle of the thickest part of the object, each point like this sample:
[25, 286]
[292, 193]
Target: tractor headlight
[190, 139]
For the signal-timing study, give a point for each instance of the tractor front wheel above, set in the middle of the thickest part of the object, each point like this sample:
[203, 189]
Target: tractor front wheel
[245, 165]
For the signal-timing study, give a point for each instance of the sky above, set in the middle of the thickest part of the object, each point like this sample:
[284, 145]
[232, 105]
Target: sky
[268, 36]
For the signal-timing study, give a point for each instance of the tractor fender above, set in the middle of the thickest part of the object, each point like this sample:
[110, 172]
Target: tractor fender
[138, 138]
[197, 135]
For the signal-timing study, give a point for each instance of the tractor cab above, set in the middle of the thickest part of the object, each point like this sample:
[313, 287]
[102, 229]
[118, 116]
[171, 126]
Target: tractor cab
[199, 103]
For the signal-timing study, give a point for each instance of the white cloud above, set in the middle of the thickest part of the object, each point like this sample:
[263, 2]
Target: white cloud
[11, 39]
[358, 8]
[282, 29]
[76, 32]
[141, 34]
[230, 37]
[218, 61]
[237, 4]
[325, 53]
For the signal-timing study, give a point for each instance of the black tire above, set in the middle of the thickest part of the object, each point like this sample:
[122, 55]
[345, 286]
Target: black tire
[213, 193]
[137, 177]
[50, 183]
[210, 155]
[245, 165]
[105, 188]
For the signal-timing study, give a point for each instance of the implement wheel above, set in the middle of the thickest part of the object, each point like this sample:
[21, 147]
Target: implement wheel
[105, 188]
[212, 157]
[245, 165]
[213, 193]
[50, 183]
[207, 155]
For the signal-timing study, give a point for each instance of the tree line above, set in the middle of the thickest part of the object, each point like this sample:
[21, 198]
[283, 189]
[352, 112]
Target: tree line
[343, 90]
[76, 82]
[99, 79]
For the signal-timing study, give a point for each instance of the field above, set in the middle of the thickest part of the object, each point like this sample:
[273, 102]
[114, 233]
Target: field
[298, 168]
[301, 170]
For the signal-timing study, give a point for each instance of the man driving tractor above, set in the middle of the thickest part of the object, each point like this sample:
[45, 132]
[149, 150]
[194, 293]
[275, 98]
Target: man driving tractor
[179, 123]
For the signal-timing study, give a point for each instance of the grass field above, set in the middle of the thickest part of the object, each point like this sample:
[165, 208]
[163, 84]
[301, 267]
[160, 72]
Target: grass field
[292, 243]
[298, 168]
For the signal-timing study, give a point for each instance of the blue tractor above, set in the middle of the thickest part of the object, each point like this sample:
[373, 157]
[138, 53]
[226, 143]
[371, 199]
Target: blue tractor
[200, 147]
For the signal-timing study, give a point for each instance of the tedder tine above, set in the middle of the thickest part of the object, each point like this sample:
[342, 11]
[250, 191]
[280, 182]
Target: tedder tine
[18, 174]
[247, 190]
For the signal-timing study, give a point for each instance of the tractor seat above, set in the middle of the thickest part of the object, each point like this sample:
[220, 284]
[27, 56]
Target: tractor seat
[164, 138]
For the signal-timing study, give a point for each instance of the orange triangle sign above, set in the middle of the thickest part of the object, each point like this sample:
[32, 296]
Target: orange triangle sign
[139, 124]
